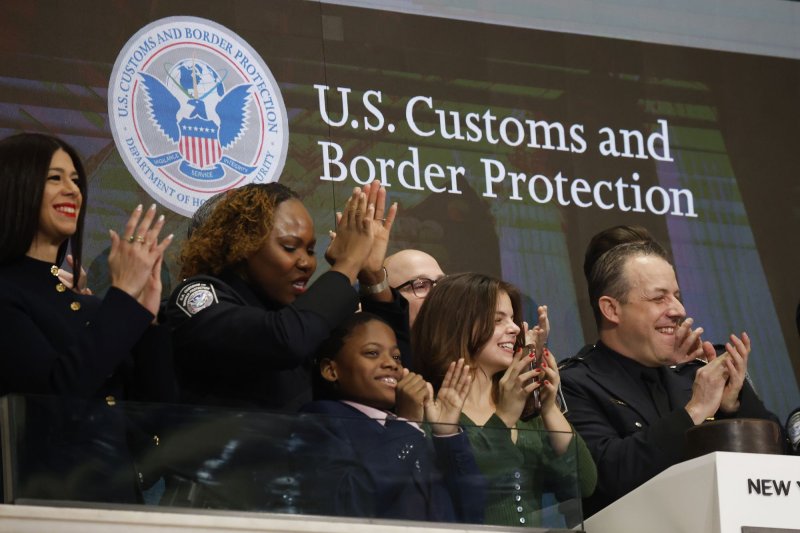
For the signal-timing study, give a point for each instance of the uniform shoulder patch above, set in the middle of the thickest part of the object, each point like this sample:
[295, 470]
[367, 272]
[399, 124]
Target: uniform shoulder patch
[195, 297]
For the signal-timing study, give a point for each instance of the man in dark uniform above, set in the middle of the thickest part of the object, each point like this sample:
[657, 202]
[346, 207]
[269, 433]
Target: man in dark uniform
[629, 407]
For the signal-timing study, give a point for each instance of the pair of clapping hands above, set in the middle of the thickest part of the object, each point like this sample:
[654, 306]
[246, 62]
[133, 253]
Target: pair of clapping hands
[134, 261]
[416, 401]
[358, 246]
[716, 385]
[519, 381]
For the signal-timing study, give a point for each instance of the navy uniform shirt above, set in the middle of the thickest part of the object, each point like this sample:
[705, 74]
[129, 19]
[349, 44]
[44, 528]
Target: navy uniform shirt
[56, 341]
[95, 351]
[236, 347]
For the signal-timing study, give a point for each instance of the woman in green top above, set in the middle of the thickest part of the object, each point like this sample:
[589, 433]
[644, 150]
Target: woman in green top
[521, 459]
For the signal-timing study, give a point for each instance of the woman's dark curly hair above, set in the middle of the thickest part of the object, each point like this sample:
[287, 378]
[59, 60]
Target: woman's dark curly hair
[236, 228]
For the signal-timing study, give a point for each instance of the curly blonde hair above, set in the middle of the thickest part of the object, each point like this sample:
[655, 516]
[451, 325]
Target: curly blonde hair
[236, 228]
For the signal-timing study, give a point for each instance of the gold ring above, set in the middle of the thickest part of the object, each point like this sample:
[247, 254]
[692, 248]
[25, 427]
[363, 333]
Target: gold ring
[140, 239]
[131, 239]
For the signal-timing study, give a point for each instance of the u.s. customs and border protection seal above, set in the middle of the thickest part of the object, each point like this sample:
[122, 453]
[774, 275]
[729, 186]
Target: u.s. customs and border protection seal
[195, 297]
[194, 110]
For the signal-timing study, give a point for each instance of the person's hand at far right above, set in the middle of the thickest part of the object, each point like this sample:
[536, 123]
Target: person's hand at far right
[709, 384]
[737, 352]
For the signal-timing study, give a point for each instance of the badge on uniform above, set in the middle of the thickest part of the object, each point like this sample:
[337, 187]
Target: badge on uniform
[195, 297]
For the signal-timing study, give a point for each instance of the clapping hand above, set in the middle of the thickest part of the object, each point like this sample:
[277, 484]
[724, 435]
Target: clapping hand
[381, 221]
[709, 384]
[67, 278]
[411, 394]
[549, 380]
[536, 340]
[443, 411]
[543, 325]
[351, 243]
[134, 257]
[516, 384]
[688, 344]
[737, 352]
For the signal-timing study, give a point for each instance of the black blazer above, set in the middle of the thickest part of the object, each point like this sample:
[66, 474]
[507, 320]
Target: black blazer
[629, 441]
[95, 351]
[616, 417]
[59, 342]
[363, 468]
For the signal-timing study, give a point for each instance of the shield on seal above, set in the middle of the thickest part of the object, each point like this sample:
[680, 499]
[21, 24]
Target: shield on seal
[199, 142]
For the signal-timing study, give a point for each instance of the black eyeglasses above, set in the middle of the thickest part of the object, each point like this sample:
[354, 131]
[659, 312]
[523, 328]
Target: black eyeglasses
[420, 286]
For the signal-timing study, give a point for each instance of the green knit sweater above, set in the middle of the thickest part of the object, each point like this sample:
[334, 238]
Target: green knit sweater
[518, 473]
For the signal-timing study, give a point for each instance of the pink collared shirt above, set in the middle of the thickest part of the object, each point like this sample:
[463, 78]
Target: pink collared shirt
[380, 416]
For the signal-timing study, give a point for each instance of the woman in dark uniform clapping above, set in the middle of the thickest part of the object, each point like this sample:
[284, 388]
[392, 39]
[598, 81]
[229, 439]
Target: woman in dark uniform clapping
[246, 320]
[61, 341]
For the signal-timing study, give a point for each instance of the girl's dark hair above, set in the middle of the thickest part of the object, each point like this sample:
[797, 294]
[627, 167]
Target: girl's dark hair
[24, 163]
[457, 320]
[330, 348]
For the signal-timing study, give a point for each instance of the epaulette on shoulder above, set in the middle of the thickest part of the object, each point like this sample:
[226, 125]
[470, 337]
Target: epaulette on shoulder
[570, 362]
[202, 278]
[577, 358]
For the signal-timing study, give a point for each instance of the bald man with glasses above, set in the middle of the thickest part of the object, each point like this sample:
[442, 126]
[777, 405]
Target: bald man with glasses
[413, 273]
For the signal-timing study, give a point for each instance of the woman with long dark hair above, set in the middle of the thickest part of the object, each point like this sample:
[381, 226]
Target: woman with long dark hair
[60, 341]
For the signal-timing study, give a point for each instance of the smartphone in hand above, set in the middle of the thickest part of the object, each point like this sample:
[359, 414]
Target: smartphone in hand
[534, 404]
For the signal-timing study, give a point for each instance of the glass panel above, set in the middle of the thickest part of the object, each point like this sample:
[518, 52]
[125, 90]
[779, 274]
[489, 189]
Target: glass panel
[69, 450]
